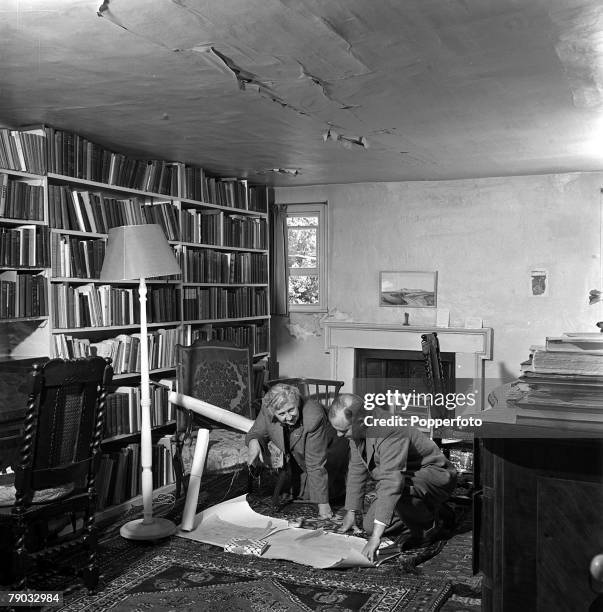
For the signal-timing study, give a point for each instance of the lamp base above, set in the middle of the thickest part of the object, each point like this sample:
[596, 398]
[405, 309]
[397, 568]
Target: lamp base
[155, 530]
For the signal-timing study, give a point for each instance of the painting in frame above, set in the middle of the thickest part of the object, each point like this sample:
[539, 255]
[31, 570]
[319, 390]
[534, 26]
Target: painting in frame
[408, 289]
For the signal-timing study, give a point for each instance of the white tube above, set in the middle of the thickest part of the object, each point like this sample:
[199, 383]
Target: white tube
[211, 412]
[194, 483]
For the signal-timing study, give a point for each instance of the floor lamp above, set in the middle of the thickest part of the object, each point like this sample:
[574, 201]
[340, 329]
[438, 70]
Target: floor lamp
[140, 252]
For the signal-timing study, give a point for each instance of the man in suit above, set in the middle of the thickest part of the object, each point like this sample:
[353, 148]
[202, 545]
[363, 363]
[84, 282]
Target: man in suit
[300, 429]
[413, 477]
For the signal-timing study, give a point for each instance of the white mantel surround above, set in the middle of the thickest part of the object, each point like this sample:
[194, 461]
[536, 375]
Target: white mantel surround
[471, 346]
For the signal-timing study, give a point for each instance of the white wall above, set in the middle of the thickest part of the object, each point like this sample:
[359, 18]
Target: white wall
[483, 237]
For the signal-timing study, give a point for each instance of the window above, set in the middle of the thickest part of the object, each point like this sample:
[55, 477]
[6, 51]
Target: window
[307, 256]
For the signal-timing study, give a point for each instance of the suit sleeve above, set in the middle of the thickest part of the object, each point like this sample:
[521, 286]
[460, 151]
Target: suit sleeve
[259, 429]
[315, 458]
[356, 481]
[393, 454]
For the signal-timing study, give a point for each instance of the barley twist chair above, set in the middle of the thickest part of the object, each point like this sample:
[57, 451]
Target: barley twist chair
[55, 476]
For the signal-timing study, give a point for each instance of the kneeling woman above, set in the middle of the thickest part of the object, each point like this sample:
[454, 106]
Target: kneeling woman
[302, 432]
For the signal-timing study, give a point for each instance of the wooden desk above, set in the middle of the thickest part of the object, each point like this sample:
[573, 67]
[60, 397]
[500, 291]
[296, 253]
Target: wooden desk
[539, 515]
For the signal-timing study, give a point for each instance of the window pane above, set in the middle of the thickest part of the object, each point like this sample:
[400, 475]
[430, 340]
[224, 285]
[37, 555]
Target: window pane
[302, 248]
[311, 221]
[303, 289]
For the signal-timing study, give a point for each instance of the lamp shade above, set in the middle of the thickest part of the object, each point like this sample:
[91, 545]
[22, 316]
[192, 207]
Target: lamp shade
[138, 251]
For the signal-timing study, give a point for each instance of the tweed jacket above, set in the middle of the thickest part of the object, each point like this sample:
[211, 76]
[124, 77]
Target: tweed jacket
[308, 441]
[389, 455]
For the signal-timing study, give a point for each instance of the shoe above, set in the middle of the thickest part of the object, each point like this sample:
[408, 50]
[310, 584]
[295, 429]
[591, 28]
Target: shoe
[448, 517]
[419, 538]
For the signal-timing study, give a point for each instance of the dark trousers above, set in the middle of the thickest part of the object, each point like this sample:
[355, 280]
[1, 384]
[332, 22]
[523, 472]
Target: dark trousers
[423, 494]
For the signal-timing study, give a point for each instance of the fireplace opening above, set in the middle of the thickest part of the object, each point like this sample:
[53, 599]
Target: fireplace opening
[380, 371]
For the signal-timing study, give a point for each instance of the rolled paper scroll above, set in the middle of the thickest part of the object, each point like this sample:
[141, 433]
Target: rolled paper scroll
[211, 412]
[194, 483]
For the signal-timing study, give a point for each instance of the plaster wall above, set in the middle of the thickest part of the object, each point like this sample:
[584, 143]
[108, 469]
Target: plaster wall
[482, 236]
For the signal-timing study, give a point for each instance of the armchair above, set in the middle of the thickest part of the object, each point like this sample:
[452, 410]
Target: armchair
[55, 475]
[220, 374]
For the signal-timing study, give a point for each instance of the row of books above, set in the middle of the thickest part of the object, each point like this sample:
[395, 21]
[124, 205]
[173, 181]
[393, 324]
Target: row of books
[119, 474]
[23, 150]
[91, 211]
[23, 295]
[209, 266]
[224, 303]
[21, 200]
[61, 152]
[562, 381]
[246, 232]
[254, 335]
[123, 414]
[25, 246]
[216, 227]
[123, 350]
[232, 192]
[92, 305]
[73, 155]
[76, 257]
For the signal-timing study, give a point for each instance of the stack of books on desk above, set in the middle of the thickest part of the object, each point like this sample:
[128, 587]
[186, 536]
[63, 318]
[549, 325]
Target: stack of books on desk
[562, 382]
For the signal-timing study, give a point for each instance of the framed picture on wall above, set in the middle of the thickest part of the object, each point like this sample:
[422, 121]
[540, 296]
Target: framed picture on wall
[408, 289]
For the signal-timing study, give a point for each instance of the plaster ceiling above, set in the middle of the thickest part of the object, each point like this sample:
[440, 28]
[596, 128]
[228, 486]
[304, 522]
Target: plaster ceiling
[338, 90]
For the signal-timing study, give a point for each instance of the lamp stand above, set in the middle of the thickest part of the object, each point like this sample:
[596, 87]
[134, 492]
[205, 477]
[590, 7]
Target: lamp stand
[149, 527]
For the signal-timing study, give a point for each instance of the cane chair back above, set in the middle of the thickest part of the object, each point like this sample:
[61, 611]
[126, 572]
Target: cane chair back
[59, 458]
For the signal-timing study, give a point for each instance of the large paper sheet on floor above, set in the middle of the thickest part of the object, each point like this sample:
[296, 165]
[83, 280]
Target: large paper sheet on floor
[235, 519]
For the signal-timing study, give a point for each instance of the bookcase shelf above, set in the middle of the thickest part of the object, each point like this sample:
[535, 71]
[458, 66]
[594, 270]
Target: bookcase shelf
[225, 284]
[86, 330]
[66, 210]
[230, 209]
[22, 319]
[227, 320]
[220, 247]
[153, 372]
[134, 283]
[135, 434]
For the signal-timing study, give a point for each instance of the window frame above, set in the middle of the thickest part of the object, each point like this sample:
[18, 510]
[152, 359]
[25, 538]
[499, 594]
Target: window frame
[304, 210]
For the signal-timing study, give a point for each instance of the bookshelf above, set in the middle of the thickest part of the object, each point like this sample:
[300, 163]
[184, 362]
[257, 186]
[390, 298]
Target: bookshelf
[59, 195]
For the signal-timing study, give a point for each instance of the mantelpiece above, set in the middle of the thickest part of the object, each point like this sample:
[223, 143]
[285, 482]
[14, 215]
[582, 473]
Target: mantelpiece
[471, 346]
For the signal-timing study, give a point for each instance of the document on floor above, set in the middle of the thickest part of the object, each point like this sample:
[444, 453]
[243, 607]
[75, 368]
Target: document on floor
[316, 548]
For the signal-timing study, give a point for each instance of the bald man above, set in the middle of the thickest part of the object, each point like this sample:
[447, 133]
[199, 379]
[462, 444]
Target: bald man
[413, 477]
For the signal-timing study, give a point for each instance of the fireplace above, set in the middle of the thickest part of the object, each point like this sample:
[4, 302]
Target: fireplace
[379, 371]
[356, 349]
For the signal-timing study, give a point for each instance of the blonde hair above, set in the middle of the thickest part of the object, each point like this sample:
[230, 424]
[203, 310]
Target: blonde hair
[279, 396]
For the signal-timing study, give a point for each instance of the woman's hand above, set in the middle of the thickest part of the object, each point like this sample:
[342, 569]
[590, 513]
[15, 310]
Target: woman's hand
[371, 547]
[255, 451]
[324, 511]
[349, 520]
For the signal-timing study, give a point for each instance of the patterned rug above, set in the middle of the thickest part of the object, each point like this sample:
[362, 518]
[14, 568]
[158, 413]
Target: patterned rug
[183, 575]
[167, 575]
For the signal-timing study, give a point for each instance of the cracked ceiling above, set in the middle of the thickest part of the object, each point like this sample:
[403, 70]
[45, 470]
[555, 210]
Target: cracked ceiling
[299, 92]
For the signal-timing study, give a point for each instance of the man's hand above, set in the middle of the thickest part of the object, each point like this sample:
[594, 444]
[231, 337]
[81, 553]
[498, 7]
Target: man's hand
[324, 511]
[371, 547]
[255, 451]
[349, 520]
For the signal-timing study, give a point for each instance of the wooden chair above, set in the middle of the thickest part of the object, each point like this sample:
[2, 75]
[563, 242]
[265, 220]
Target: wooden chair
[216, 372]
[320, 389]
[447, 439]
[55, 475]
